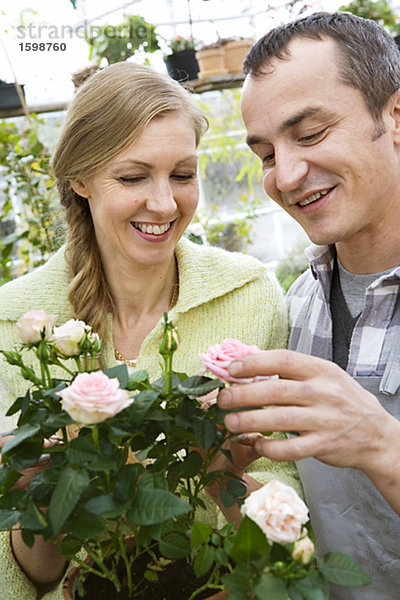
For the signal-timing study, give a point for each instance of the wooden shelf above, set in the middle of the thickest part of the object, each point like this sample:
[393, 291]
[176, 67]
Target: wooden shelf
[39, 108]
[216, 82]
[197, 86]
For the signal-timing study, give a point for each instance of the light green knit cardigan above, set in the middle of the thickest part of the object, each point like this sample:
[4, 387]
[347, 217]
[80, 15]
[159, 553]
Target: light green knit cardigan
[221, 295]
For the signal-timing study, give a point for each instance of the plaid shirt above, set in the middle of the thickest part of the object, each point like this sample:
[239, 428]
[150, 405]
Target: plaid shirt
[375, 341]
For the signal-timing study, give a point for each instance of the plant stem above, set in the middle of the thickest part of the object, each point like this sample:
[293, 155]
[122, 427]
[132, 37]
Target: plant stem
[126, 561]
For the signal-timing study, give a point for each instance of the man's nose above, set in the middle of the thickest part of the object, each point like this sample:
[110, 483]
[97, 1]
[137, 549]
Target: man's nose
[290, 169]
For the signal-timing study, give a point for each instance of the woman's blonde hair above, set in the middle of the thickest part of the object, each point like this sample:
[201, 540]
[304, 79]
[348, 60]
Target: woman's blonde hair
[108, 113]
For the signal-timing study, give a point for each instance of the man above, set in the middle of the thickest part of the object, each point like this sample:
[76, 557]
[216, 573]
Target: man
[321, 104]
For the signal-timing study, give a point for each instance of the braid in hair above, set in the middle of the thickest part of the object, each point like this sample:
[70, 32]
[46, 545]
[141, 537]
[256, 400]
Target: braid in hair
[88, 291]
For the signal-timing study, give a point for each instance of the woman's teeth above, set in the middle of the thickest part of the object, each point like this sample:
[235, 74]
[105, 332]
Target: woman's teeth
[154, 229]
[313, 198]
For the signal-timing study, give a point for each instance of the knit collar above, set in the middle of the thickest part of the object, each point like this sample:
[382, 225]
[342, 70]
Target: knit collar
[205, 273]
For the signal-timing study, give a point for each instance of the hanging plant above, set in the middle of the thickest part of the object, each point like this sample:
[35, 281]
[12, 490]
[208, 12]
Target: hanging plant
[118, 43]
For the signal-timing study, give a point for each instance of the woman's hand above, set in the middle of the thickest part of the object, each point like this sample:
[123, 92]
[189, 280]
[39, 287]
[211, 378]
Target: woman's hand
[243, 453]
[42, 563]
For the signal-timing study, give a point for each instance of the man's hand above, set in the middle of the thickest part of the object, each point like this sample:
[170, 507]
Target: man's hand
[339, 422]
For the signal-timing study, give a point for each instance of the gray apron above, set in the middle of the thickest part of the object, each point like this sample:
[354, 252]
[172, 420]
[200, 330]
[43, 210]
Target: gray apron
[350, 515]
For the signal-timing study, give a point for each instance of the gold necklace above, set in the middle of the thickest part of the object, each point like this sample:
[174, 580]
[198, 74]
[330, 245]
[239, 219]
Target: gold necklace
[132, 362]
[118, 356]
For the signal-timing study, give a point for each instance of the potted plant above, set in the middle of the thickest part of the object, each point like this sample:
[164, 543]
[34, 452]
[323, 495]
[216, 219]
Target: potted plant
[236, 49]
[9, 97]
[119, 42]
[181, 63]
[91, 498]
[211, 59]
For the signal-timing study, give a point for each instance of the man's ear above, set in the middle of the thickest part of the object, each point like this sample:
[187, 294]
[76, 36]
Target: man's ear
[395, 116]
[81, 188]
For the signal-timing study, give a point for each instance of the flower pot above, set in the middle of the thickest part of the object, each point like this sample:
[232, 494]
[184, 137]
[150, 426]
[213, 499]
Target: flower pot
[9, 96]
[235, 53]
[211, 62]
[182, 66]
[70, 586]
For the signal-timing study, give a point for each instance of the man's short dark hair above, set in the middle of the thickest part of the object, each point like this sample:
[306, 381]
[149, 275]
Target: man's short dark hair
[369, 57]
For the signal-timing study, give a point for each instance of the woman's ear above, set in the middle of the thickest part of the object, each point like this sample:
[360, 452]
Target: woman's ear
[81, 188]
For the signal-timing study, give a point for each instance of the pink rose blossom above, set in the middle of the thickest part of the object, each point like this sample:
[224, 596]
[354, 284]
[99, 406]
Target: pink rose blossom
[218, 358]
[278, 510]
[31, 325]
[93, 398]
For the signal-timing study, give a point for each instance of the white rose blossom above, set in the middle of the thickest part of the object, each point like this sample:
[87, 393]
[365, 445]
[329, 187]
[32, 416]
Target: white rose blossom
[67, 337]
[32, 324]
[278, 511]
[304, 550]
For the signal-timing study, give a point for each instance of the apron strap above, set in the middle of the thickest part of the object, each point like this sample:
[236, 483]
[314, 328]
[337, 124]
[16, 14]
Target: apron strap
[390, 381]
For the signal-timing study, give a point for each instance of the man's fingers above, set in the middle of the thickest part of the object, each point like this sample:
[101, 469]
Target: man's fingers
[285, 363]
[292, 449]
[268, 421]
[267, 392]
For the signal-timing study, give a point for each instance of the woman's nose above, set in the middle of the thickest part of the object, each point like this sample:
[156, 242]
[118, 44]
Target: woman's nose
[161, 200]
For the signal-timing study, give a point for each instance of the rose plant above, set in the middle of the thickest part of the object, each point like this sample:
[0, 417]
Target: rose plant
[92, 497]
[180, 43]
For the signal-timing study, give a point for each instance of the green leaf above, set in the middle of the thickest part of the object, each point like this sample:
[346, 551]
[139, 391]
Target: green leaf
[20, 435]
[28, 537]
[70, 547]
[310, 588]
[174, 545]
[269, 586]
[82, 452]
[8, 478]
[339, 568]
[250, 543]
[86, 525]
[70, 486]
[140, 407]
[136, 380]
[8, 518]
[126, 484]
[119, 372]
[191, 465]
[200, 533]
[203, 561]
[237, 580]
[199, 386]
[104, 506]
[17, 405]
[205, 432]
[233, 493]
[26, 454]
[153, 506]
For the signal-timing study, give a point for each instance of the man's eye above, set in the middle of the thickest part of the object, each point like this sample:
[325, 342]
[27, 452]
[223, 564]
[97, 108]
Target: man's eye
[269, 159]
[313, 137]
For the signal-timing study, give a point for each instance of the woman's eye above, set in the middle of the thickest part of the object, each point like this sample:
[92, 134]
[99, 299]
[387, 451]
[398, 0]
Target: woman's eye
[184, 176]
[131, 179]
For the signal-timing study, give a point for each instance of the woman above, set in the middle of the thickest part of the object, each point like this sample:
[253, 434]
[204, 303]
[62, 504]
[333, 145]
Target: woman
[126, 169]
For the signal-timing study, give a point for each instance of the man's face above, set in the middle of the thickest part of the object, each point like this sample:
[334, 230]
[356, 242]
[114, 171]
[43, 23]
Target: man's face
[325, 160]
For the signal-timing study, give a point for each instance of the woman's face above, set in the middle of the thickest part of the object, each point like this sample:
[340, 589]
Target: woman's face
[142, 201]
